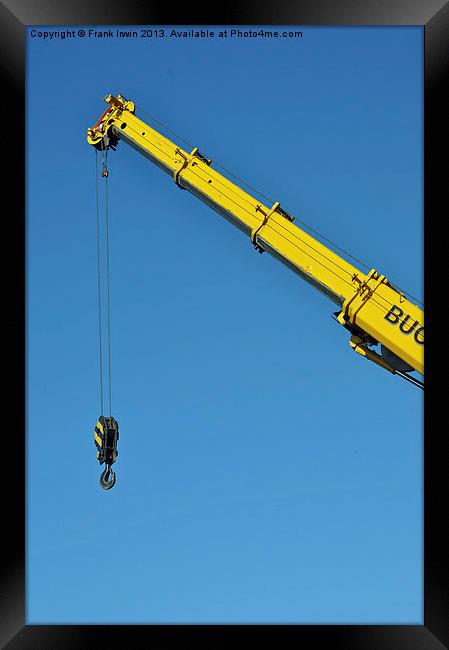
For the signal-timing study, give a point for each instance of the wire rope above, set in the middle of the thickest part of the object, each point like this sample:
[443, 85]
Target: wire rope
[108, 283]
[98, 280]
[105, 174]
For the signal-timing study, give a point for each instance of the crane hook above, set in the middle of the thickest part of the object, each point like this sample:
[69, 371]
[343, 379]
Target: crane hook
[106, 435]
[105, 483]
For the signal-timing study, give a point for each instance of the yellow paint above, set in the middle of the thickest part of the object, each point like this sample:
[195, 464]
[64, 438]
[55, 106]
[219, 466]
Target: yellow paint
[365, 299]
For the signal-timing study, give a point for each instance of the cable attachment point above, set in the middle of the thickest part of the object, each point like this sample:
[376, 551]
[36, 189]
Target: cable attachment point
[106, 436]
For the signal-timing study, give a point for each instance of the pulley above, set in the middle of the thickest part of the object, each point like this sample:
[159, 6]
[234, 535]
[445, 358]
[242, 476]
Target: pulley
[106, 435]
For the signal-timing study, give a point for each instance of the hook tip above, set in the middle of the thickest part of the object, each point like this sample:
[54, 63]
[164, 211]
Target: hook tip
[105, 482]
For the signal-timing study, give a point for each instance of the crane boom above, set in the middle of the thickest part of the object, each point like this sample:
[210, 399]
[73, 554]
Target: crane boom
[373, 310]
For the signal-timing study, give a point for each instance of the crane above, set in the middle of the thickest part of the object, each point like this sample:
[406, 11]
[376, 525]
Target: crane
[375, 312]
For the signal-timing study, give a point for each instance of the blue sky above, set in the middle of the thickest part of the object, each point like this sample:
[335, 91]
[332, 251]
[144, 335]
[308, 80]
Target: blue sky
[266, 474]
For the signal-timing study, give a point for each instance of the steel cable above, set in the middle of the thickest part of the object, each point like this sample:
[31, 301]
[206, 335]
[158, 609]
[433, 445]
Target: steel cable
[99, 280]
[108, 285]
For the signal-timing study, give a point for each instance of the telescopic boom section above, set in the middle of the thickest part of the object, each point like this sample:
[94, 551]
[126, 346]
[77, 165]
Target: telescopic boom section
[369, 306]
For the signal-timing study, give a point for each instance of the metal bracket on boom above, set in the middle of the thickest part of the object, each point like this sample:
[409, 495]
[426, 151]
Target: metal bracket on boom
[360, 342]
[361, 347]
[276, 208]
[364, 291]
[186, 160]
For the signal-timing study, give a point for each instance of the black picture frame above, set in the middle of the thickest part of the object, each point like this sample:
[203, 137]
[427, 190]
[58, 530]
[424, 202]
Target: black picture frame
[15, 16]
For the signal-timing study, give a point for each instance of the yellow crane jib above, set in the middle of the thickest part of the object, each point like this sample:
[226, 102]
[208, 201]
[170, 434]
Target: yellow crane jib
[106, 436]
[371, 308]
